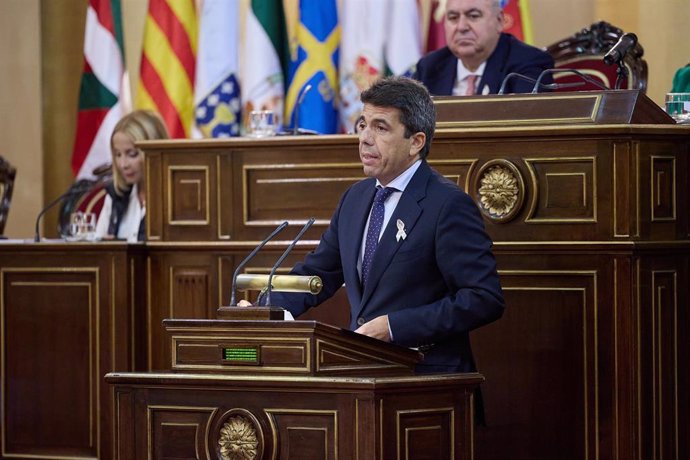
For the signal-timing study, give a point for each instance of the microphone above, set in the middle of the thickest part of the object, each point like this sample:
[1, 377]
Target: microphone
[586, 78]
[242, 264]
[620, 49]
[79, 187]
[280, 260]
[300, 99]
[532, 80]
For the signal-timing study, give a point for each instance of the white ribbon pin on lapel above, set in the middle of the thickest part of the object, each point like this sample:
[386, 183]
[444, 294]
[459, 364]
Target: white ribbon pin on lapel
[401, 235]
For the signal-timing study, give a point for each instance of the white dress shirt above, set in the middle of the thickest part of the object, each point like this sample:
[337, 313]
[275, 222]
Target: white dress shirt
[460, 87]
[399, 183]
[129, 226]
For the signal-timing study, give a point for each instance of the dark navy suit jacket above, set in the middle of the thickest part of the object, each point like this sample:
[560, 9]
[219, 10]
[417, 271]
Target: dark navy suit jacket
[436, 285]
[438, 69]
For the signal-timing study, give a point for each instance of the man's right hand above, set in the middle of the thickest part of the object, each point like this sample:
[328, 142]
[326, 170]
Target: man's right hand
[244, 303]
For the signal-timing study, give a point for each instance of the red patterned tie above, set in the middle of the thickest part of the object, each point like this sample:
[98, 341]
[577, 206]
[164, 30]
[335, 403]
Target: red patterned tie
[471, 85]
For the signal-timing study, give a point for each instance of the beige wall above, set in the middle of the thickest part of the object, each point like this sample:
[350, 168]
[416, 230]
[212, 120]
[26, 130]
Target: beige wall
[658, 24]
[62, 36]
[135, 13]
[20, 108]
[553, 20]
[41, 63]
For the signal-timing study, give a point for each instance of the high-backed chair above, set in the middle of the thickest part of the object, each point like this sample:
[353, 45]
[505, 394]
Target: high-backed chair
[585, 52]
[87, 195]
[7, 174]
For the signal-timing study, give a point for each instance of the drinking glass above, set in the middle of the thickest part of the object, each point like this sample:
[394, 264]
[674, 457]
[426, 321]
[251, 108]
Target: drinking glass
[82, 226]
[262, 123]
[678, 106]
[89, 226]
[76, 223]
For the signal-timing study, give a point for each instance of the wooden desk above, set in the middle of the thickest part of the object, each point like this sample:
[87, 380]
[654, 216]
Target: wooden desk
[292, 390]
[165, 415]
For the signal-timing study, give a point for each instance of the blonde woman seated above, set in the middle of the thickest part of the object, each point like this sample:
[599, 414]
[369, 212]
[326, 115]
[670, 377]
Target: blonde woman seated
[124, 209]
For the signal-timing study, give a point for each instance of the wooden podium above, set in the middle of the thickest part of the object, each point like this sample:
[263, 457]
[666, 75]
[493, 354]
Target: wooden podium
[290, 390]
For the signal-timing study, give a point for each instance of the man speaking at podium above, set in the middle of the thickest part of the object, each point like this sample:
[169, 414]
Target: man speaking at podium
[409, 245]
[479, 55]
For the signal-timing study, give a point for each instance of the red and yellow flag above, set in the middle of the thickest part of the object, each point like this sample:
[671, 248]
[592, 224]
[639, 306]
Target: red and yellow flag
[516, 19]
[168, 62]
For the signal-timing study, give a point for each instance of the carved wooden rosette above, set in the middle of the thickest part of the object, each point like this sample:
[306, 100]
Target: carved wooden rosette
[499, 190]
[240, 436]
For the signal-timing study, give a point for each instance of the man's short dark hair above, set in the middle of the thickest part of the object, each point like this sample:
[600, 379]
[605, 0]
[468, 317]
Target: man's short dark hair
[411, 98]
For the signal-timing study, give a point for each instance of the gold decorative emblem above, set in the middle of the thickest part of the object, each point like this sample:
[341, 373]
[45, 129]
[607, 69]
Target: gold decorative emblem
[238, 439]
[501, 190]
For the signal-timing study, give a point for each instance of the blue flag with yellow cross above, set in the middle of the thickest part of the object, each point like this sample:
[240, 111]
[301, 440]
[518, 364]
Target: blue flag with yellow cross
[313, 69]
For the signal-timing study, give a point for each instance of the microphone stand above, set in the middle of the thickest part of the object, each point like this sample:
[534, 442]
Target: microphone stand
[621, 73]
[233, 294]
[532, 80]
[280, 260]
[80, 187]
[300, 99]
[586, 78]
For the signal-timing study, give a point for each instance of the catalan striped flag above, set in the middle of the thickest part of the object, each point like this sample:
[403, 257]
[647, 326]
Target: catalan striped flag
[101, 93]
[314, 48]
[168, 63]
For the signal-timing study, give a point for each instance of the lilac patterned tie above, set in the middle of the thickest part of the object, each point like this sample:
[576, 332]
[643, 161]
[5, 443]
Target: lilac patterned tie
[374, 230]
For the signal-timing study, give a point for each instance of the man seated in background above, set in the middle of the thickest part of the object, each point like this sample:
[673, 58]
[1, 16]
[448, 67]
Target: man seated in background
[478, 55]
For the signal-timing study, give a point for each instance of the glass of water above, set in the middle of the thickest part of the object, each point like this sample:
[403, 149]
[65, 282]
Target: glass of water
[82, 226]
[262, 123]
[678, 106]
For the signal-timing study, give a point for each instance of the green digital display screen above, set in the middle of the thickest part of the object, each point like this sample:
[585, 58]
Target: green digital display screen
[241, 354]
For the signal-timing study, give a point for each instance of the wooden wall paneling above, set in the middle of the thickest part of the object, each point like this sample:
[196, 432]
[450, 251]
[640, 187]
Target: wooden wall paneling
[548, 345]
[436, 431]
[191, 205]
[624, 201]
[257, 179]
[53, 356]
[154, 192]
[568, 182]
[184, 285]
[625, 384]
[663, 193]
[292, 183]
[225, 198]
[178, 432]
[664, 345]
[562, 184]
[124, 433]
[65, 321]
[683, 357]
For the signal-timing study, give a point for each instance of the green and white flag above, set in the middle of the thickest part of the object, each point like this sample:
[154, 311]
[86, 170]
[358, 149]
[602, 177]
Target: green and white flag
[262, 57]
[103, 90]
[404, 38]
